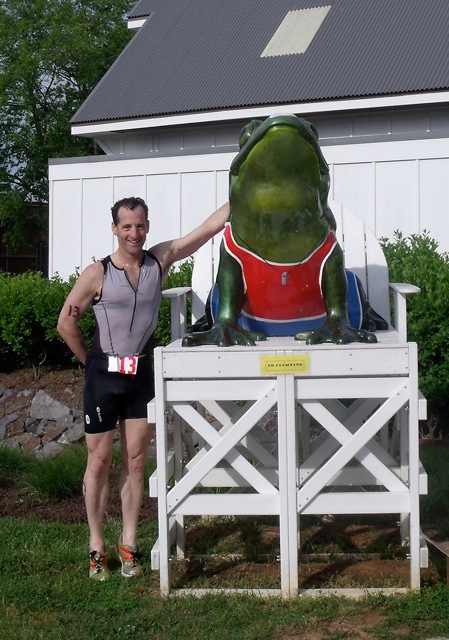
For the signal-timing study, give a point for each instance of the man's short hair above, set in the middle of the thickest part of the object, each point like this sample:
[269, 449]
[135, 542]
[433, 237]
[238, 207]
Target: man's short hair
[128, 203]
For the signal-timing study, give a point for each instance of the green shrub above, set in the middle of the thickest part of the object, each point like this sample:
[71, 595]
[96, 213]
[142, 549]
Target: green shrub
[29, 303]
[30, 306]
[416, 260]
[179, 276]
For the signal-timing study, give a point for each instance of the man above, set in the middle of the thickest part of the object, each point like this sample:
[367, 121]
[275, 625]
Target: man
[125, 291]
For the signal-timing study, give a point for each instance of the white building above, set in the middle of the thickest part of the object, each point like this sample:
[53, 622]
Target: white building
[373, 77]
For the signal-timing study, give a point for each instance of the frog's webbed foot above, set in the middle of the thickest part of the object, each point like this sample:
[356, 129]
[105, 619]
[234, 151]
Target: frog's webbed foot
[304, 335]
[223, 334]
[336, 332]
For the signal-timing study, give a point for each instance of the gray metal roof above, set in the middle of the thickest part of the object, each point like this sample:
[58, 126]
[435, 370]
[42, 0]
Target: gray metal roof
[141, 9]
[200, 55]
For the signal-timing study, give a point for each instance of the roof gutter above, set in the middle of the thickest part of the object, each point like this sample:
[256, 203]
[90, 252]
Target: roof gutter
[332, 106]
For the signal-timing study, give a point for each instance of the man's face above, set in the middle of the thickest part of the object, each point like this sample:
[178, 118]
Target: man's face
[131, 230]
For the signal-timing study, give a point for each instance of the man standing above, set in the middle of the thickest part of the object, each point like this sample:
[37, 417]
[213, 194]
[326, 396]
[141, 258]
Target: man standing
[125, 291]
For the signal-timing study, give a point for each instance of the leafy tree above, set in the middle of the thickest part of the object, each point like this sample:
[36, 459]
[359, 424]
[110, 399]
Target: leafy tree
[52, 54]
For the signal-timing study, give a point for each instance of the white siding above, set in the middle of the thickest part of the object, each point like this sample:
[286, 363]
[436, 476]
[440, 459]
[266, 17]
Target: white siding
[391, 186]
[394, 186]
[65, 222]
[397, 197]
[163, 196]
[354, 185]
[434, 198]
[97, 240]
[180, 193]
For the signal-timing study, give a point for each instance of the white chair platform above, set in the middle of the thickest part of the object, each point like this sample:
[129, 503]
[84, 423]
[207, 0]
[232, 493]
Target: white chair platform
[364, 458]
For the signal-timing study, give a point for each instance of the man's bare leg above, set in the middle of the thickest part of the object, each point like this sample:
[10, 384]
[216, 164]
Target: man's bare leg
[134, 436]
[96, 484]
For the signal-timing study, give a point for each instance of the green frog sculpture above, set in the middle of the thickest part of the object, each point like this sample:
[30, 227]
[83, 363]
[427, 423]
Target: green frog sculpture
[281, 270]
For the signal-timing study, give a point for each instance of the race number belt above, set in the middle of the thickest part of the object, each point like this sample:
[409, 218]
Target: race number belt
[123, 364]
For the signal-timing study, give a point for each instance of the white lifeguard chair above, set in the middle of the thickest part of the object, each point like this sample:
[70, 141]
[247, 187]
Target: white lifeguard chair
[363, 460]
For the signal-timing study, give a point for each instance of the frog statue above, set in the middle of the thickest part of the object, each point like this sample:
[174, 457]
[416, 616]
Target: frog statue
[281, 269]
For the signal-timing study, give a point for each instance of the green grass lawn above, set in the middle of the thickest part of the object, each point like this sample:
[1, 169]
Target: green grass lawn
[45, 593]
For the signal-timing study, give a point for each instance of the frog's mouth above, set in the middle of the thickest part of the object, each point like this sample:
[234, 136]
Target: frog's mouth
[256, 130]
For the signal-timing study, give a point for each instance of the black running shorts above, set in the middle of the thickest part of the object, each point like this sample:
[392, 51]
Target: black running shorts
[109, 397]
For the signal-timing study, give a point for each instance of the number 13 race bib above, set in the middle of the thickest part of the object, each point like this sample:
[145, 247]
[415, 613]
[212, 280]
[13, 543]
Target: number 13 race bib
[123, 364]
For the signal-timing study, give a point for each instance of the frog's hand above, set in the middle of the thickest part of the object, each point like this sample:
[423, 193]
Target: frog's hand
[223, 334]
[336, 331]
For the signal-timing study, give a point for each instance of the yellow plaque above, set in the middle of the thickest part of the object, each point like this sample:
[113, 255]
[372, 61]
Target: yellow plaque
[276, 365]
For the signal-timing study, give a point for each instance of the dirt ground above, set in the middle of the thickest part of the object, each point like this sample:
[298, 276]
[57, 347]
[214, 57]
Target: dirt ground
[65, 385]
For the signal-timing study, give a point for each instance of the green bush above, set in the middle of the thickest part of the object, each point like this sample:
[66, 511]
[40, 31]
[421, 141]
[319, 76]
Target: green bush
[30, 306]
[416, 260]
[179, 276]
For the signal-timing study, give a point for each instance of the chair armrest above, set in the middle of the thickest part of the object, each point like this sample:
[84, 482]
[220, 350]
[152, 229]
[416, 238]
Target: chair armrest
[400, 291]
[178, 309]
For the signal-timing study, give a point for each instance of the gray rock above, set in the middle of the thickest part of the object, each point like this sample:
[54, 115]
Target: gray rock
[75, 434]
[7, 420]
[25, 393]
[44, 425]
[52, 449]
[53, 434]
[40, 423]
[66, 421]
[4, 394]
[31, 425]
[44, 406]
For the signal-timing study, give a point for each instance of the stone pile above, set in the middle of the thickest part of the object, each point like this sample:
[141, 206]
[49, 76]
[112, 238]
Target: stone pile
[34, 421]
[37, 422]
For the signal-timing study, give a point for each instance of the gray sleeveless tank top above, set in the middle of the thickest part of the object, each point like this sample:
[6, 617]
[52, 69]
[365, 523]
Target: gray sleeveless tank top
[126, 318]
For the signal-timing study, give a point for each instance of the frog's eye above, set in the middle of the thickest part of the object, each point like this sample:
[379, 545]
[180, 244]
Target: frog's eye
[247, 131]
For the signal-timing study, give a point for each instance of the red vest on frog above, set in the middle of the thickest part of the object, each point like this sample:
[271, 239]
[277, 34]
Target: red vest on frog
[283, 299]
